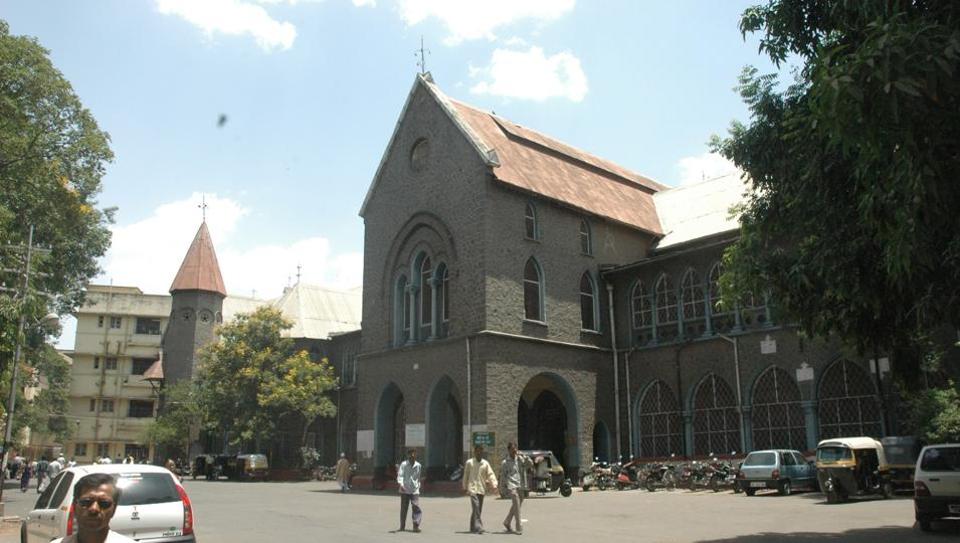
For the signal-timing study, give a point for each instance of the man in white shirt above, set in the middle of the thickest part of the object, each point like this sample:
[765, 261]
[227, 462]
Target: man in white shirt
[95, 498]
[477, 477]
[408, 479]
[54, 468]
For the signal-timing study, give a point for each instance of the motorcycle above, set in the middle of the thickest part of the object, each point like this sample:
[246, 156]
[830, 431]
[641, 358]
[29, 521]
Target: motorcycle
[660, 476]
[722, 476]
[600, 476]
[627, 475]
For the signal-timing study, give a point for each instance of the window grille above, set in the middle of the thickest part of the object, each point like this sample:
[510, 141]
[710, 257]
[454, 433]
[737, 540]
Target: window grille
[848, 403]
[716, 428]
[659, 422]
[778, 421]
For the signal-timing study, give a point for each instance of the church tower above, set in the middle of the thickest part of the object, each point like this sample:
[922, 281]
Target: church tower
[197, 307]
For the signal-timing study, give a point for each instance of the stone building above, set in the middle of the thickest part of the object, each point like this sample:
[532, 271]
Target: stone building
[519, 289]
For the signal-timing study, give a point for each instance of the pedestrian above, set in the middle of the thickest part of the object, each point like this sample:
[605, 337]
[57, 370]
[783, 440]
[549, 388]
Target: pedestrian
[342, 473]
[95, 499]
[72, 462]
[513, 476]
[41, 473]
[408, 479]
[25, 472]
[55, 467]
[478, 476]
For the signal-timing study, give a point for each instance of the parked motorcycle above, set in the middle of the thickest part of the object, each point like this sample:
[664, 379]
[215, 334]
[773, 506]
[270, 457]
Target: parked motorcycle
[599, 476]
[660, 476]
[722, 475]
[627, 475]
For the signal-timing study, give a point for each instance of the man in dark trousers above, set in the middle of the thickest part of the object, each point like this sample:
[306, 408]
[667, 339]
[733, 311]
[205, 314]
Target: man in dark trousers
[478, 476]
[513, 477]
[408, 479]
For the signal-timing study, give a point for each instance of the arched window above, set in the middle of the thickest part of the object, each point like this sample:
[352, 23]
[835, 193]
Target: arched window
[401, 310]
[721, 317]
[641, 306]
[586, 238]
[691, 299]
[716, 428]
[848, 404]
[531, 228]
[426, 297]
[441, 283]
[532, 291]
[666, 299]
[778, 421]
[659, 423]
[588, 303]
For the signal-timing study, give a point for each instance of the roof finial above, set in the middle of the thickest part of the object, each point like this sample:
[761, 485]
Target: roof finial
[422, 53]
[299, 267]
[203, 206]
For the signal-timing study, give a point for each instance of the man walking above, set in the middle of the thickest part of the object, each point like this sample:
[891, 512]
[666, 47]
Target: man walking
[343, 472]
[95, 501]
[408, 478]
[477, 476]
[513, 475]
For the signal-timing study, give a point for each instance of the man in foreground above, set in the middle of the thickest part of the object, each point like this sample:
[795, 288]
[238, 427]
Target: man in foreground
[95, 498]
[408, 479]
[513, 475]
[477, 476]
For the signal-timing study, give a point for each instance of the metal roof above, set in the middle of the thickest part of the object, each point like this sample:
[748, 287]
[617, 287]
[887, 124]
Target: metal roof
[691, 212]
[318, 312]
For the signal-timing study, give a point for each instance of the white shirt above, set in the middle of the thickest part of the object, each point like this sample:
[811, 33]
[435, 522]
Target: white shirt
[112, 537]
[408, 477]
[54, 468]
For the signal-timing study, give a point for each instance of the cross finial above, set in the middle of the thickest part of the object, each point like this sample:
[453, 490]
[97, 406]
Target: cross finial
[422, 53]
[203, 206]
[299, 267]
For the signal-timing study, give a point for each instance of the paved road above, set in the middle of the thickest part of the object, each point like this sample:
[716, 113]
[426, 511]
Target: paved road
[257, 512]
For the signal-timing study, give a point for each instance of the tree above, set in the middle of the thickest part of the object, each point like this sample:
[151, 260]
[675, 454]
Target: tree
[851, 222]
[253, 378]
[52, 159]
[179, 415]
[49, 372]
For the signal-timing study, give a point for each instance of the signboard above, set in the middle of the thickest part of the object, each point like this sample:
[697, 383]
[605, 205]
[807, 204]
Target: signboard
[487, 439]
[768, 345]
[415, 435]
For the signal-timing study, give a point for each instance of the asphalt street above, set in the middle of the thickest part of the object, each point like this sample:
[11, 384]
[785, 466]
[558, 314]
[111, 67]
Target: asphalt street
[257, 512]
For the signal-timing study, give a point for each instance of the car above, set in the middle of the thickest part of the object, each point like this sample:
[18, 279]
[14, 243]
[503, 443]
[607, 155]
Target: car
[780, 469]
[153, 506]
[936, 484]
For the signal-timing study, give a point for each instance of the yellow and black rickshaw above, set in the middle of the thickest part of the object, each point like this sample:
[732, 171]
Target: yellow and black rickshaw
[852, 466]
[548, 474]
[902, 453]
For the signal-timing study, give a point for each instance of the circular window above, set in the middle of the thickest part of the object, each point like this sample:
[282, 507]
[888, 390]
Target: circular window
[419, 154]
[205, 316]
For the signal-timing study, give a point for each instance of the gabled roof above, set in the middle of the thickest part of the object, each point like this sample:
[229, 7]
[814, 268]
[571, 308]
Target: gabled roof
[318, 312]
[200, 270]
[533, 162]
[699, 210]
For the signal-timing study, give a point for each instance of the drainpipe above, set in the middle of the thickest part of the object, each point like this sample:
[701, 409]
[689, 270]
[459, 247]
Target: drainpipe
[616, 375]
[736, 369]
[469, 400]
[626, 369]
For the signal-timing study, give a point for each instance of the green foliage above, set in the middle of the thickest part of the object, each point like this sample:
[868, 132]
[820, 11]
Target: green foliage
[851, 220]
[46, 413]
[180, 412]
[52, 160]
[935, 414]
[253, 378]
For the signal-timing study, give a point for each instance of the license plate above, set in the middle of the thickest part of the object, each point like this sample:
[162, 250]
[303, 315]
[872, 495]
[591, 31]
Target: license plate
[758, 484]
[955, 509]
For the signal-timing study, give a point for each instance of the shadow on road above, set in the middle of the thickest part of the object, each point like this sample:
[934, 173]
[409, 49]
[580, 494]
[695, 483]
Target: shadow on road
[945, 530]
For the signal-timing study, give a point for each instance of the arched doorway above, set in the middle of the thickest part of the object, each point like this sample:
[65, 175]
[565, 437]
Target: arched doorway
[777, 417]
[848, 403]
[716, 425]
[601, 442]
[547, 419]
[659, 423]
[444, 430]
[389, 428]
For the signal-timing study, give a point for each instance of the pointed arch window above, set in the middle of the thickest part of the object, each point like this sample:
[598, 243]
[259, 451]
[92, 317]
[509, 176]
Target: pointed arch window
[721, 317]
[531, 226]
[642, 306]
[692, 303]
[441, 283]
[426, 297]
[401, 311]
[667, 314]
[532, 291]
[588, 303]
[586, 238]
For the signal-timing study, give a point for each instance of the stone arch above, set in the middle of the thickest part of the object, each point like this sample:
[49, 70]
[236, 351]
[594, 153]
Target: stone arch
[848, 404]
[444, 428]
[601, 442]
[550, 418]
[716, 424]
[658, 421]
[422, 230]
[389, 427]
[776, 413]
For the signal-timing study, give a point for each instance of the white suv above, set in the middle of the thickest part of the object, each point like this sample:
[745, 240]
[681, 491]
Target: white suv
[153, 506]
[936, 484]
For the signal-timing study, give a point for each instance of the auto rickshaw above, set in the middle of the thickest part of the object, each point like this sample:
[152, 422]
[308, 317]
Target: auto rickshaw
[852, 466]
[548, 475]
[902, 453]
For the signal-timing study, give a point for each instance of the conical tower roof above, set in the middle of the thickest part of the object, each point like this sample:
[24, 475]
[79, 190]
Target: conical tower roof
[200, 270]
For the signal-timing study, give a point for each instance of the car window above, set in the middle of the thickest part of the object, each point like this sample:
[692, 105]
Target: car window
[800, 459]
[65, 479]
[833, 454]
[761, 459]
[44, 498]
[146, 488]
[788, 459]
[941, 459]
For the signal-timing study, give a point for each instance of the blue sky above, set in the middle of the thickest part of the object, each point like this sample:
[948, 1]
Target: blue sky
[311, 91]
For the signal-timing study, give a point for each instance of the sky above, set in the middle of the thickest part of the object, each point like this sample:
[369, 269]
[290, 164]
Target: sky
[277, 112]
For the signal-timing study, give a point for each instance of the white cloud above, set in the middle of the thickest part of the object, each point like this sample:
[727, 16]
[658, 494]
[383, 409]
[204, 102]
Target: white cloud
[148, 253]
[234, 18]
[365, 3]
[694, 169]
[471, 20]
[531, 75]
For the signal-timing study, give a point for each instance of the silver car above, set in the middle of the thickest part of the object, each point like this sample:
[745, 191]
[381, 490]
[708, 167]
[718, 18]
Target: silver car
[779, 469]
[153, 506]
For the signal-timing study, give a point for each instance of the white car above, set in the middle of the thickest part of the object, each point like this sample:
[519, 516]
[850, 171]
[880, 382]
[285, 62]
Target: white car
[153, 506]
[936, 484]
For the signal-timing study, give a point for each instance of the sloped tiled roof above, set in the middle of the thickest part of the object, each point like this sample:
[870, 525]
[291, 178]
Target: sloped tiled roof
[533, 162]
[699, 210]
[318, 312]
[200, 270]
[154, 372]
